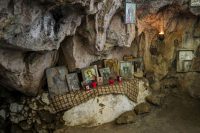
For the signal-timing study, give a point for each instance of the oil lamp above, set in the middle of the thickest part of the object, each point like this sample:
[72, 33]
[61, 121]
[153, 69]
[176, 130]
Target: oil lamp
[161, 36]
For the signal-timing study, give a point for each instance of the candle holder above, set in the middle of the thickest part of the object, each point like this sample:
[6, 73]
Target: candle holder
[111, 81]
[119, 79]
[87, 87]
[94, 84]
[100, 81]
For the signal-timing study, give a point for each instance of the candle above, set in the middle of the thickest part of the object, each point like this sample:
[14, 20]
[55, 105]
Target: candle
[94, 84]
[111, 82]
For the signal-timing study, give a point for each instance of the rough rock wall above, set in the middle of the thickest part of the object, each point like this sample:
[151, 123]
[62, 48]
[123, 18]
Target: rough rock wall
[176, 25]
[78, 55]
[180, 23]
[26, 25]
[92, 28]
[24, 71]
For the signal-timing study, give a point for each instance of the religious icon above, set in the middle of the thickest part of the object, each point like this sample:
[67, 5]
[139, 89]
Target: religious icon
[113, 65]
[138, 64]
[195, 3]
[73, 82]
[84, 84]
[100, 80]
[184, 61]
[90, 73]
[130, 15]
[126, 69]
[105, 73]
[87, 87]
[56, 79]
[186, 54]
[187, 65]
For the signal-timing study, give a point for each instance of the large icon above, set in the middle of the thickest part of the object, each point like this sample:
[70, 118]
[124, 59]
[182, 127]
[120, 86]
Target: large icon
[130, 10]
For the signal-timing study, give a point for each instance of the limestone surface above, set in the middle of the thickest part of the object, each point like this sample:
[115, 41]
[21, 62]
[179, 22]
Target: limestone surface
[126, 118]
[24, 71]
[98, 111]
[142, 108]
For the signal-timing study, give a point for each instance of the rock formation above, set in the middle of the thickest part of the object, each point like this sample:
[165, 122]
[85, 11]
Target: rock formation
[28, 26]
[36, 35]
[93, 28]
[24, 71]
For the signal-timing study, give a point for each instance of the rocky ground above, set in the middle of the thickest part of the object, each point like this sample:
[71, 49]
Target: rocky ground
[179, 113]
[19, 113]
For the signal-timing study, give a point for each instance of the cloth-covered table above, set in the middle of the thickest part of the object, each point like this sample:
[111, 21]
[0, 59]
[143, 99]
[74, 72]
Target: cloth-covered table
[130, 88]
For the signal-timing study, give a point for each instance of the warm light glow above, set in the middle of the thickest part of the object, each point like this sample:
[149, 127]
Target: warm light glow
[161, 33]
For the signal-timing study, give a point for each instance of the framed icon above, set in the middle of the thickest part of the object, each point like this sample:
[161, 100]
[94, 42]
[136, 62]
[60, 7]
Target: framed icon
[186, 54]
[130, 13]
[56, 80]
[187, 64]
[126, 69]
[184, 61]
[90, 73]
[105, 73]
[100, 80]
[73, 82]
[195, 3]
[113, 65]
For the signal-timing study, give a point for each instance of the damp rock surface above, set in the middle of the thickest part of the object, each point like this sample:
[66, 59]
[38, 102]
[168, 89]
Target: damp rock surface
[126, 118]
[154, 99]
[24, 26]
[3, 114]
[24, 71]
[142, 108]
[16, 108]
